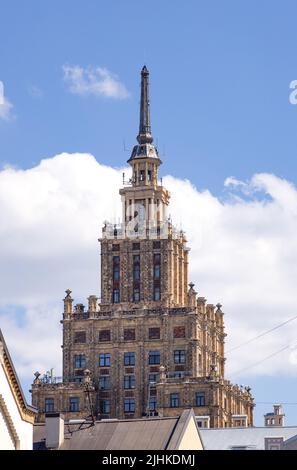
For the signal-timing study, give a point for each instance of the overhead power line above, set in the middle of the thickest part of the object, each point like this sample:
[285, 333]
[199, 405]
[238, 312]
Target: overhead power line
[262, 360]
[262, 334]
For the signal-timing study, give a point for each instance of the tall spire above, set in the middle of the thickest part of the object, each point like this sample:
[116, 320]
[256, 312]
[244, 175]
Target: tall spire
[144, 136]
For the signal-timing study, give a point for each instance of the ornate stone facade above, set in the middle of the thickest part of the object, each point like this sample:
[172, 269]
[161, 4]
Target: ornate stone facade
[151, 345]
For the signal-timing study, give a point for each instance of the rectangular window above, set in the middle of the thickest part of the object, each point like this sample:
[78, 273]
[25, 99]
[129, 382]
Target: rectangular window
[115, 247]
[105, 407]
[129, 405]
[104, 360]
[154, 357]
[104, 382]
[136, 246]
[49, 405]
[200, 399]
[116, 268]
[157, 293]
[174, 400]
[73, 404]
[153, 378]
[129, 381]
[115, 296]
[79, 337]
[104, 335]
[136, 267]
[157, 277]
[153, 403]
[179, 357]
[79, 361]
[136, 294]
[141, 174]
[156, 245]
[129, 358]
[154, 333]
[129, 334]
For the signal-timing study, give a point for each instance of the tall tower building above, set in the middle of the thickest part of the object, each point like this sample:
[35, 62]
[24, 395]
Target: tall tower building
[151, 346]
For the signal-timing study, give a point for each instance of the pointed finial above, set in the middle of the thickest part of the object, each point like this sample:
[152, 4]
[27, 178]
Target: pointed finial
[144, 136]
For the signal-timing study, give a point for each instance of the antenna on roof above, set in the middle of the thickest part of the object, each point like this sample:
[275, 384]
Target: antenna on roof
[124, 146]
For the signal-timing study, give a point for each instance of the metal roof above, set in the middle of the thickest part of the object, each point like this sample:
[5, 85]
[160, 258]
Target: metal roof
[136, 434]
[251, 437]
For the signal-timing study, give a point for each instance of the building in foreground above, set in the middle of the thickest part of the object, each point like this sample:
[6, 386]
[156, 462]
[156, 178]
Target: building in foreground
[178, 433]
[274, 435]
[151, 346]
[16, 416]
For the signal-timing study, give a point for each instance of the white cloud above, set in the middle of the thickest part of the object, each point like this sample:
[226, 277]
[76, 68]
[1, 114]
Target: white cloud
[97, 81]
[5, 105]
[243, 253]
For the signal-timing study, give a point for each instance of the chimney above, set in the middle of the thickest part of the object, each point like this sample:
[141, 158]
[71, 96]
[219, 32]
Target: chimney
[54, 430]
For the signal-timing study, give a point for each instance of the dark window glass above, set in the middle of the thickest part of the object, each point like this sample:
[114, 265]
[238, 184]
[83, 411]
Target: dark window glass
[129, 381]
[104, 382]
[136, 268]
[129, 405]
[129, 358]
[73, 404]
[200, 399]
[156, 245]
[49, 405]
[105, 407]
[104, 360]
[136, 246]
[116, 268]
[179, 357]
[104, 335]
[79, 337]
[79, 361]
[154, 357]
[115, 247]
[154, 333]
[174, 400]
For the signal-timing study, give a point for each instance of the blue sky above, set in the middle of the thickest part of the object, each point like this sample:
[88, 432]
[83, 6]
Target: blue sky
[220, 75]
